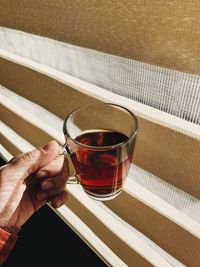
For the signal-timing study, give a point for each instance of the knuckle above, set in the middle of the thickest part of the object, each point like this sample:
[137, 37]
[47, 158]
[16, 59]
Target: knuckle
[16, 158]
[31, 155]
[27, 156]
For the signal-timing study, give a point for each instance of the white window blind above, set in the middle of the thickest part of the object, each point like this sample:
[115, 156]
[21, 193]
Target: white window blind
[153, 70]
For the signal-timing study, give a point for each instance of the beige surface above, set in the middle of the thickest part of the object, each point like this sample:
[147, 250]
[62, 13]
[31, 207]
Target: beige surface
[165, 153]
[164, 33]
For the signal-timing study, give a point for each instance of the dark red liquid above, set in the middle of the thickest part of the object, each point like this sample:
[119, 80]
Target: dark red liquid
[101, 172]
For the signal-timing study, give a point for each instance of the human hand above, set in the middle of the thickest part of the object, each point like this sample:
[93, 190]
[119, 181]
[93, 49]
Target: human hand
[27, 183]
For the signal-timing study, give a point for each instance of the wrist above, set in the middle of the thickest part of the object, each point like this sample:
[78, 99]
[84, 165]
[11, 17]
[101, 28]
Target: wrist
[10, 228]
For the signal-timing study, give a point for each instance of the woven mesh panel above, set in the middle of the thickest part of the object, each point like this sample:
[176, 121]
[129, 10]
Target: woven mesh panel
[174, 92]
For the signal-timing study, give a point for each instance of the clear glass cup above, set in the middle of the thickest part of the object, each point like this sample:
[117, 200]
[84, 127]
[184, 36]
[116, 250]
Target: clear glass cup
[100, 139]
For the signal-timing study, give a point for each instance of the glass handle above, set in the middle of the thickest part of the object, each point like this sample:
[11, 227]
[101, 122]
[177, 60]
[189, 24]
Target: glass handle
[72, 178]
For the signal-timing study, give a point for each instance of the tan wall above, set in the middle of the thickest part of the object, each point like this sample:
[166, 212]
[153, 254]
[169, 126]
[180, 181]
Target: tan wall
[164, 33]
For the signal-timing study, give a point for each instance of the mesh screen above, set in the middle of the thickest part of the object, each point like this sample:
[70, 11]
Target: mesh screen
[170, 91]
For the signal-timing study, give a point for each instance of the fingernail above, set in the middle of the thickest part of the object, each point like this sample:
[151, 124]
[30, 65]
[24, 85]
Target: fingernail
[42, 195]
[47, 185]
[57, 204]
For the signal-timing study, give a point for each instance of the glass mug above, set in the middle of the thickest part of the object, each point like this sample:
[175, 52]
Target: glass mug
[100, 140]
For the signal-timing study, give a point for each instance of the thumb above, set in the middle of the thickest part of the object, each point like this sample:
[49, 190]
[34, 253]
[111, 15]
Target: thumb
[32, 161]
